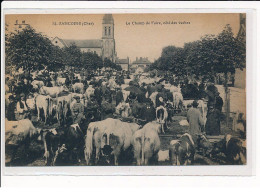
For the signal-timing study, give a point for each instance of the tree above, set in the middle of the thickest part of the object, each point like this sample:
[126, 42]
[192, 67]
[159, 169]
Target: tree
[73, 56]
[109, 63]
[91, 61]
[28, 49]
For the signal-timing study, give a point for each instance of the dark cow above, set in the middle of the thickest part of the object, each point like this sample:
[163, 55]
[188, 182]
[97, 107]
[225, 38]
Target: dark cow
[63, 145]
[182, 151]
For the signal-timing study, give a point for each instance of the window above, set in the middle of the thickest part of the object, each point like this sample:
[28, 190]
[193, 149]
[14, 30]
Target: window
[109, 31]
[56, 41]
[105, 30]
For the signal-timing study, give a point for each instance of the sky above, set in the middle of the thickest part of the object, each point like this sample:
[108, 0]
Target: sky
[133, 40]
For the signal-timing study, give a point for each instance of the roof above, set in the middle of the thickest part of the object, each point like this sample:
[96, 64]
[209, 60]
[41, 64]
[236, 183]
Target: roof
[94, 43]
[141, 61]
[108, 19]
[122, 61]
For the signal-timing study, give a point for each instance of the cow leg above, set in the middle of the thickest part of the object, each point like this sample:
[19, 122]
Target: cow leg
[45, 115]
[116, 160]
[87, 156]
[38, 113]
[178, 161]
[97, 155]
[163, 129]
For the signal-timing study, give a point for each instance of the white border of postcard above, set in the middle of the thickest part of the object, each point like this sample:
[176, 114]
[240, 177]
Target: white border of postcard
[244, 170]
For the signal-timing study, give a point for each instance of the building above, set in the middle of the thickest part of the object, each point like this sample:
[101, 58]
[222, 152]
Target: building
[240, 75]
[124, 63]
[104, 47]
[140, 63]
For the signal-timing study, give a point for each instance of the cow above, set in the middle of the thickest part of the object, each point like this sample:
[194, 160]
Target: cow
[60, 81]
[108, 137]
[182, 151]
[63, 145]
[89, 91]
[78, 87]
[116, 139]
[153, 98]
[43, 102]
[146, 144]
[93, 139]
[235, 149]
[177, 100]
[125, 94]
[37, 84]
[17, 134]
[162, 116]
[123, 109]
[53, 91]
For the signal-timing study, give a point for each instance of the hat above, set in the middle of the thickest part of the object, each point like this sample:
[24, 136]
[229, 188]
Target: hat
[76, 97]
[195, 103]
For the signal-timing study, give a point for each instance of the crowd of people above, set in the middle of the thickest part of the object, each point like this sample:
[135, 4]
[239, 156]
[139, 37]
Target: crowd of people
[107, 100]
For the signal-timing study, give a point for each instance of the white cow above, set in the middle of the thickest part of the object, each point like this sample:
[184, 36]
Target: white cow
[37, 84]
[20, 129]
[125, 94]
[146, 143]
[100, 133]
[118, 137]
[78, 87]
[53, 91]
[61, 81]
[177, 100]
[43, 102]
[89, 91]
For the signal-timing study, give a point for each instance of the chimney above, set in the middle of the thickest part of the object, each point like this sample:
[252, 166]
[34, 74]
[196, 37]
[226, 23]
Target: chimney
[141, 58]
[136, 58]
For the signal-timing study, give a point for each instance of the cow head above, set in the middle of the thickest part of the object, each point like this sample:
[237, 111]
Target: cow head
[205, 144]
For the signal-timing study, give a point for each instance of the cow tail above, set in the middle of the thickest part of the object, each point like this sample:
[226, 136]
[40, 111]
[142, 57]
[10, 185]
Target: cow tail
[89, 143]
[142, 160]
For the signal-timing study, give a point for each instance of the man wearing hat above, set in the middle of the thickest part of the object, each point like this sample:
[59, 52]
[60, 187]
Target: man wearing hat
[196, 123]
[77, 111]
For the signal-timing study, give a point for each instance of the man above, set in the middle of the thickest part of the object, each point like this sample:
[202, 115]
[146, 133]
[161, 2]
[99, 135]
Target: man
[21, 108]
[11, 109]
[77, 111]
[196, 123]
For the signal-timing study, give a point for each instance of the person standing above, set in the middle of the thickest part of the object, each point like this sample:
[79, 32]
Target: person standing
[212, 126]
[196, 123]
[10, 115]
[77, 111]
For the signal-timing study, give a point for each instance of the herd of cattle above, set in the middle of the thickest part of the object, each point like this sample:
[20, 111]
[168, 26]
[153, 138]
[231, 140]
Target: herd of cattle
[110, 141]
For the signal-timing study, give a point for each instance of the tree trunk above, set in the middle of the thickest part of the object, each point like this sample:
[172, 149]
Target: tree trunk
[226, 99]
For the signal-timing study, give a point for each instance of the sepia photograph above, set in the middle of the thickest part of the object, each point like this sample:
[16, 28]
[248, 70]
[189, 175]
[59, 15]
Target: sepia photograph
[125, 89]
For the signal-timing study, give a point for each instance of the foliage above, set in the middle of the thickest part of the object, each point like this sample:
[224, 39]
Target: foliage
[91, 61]
[206, 57]
[109, 63]
[28, 50]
